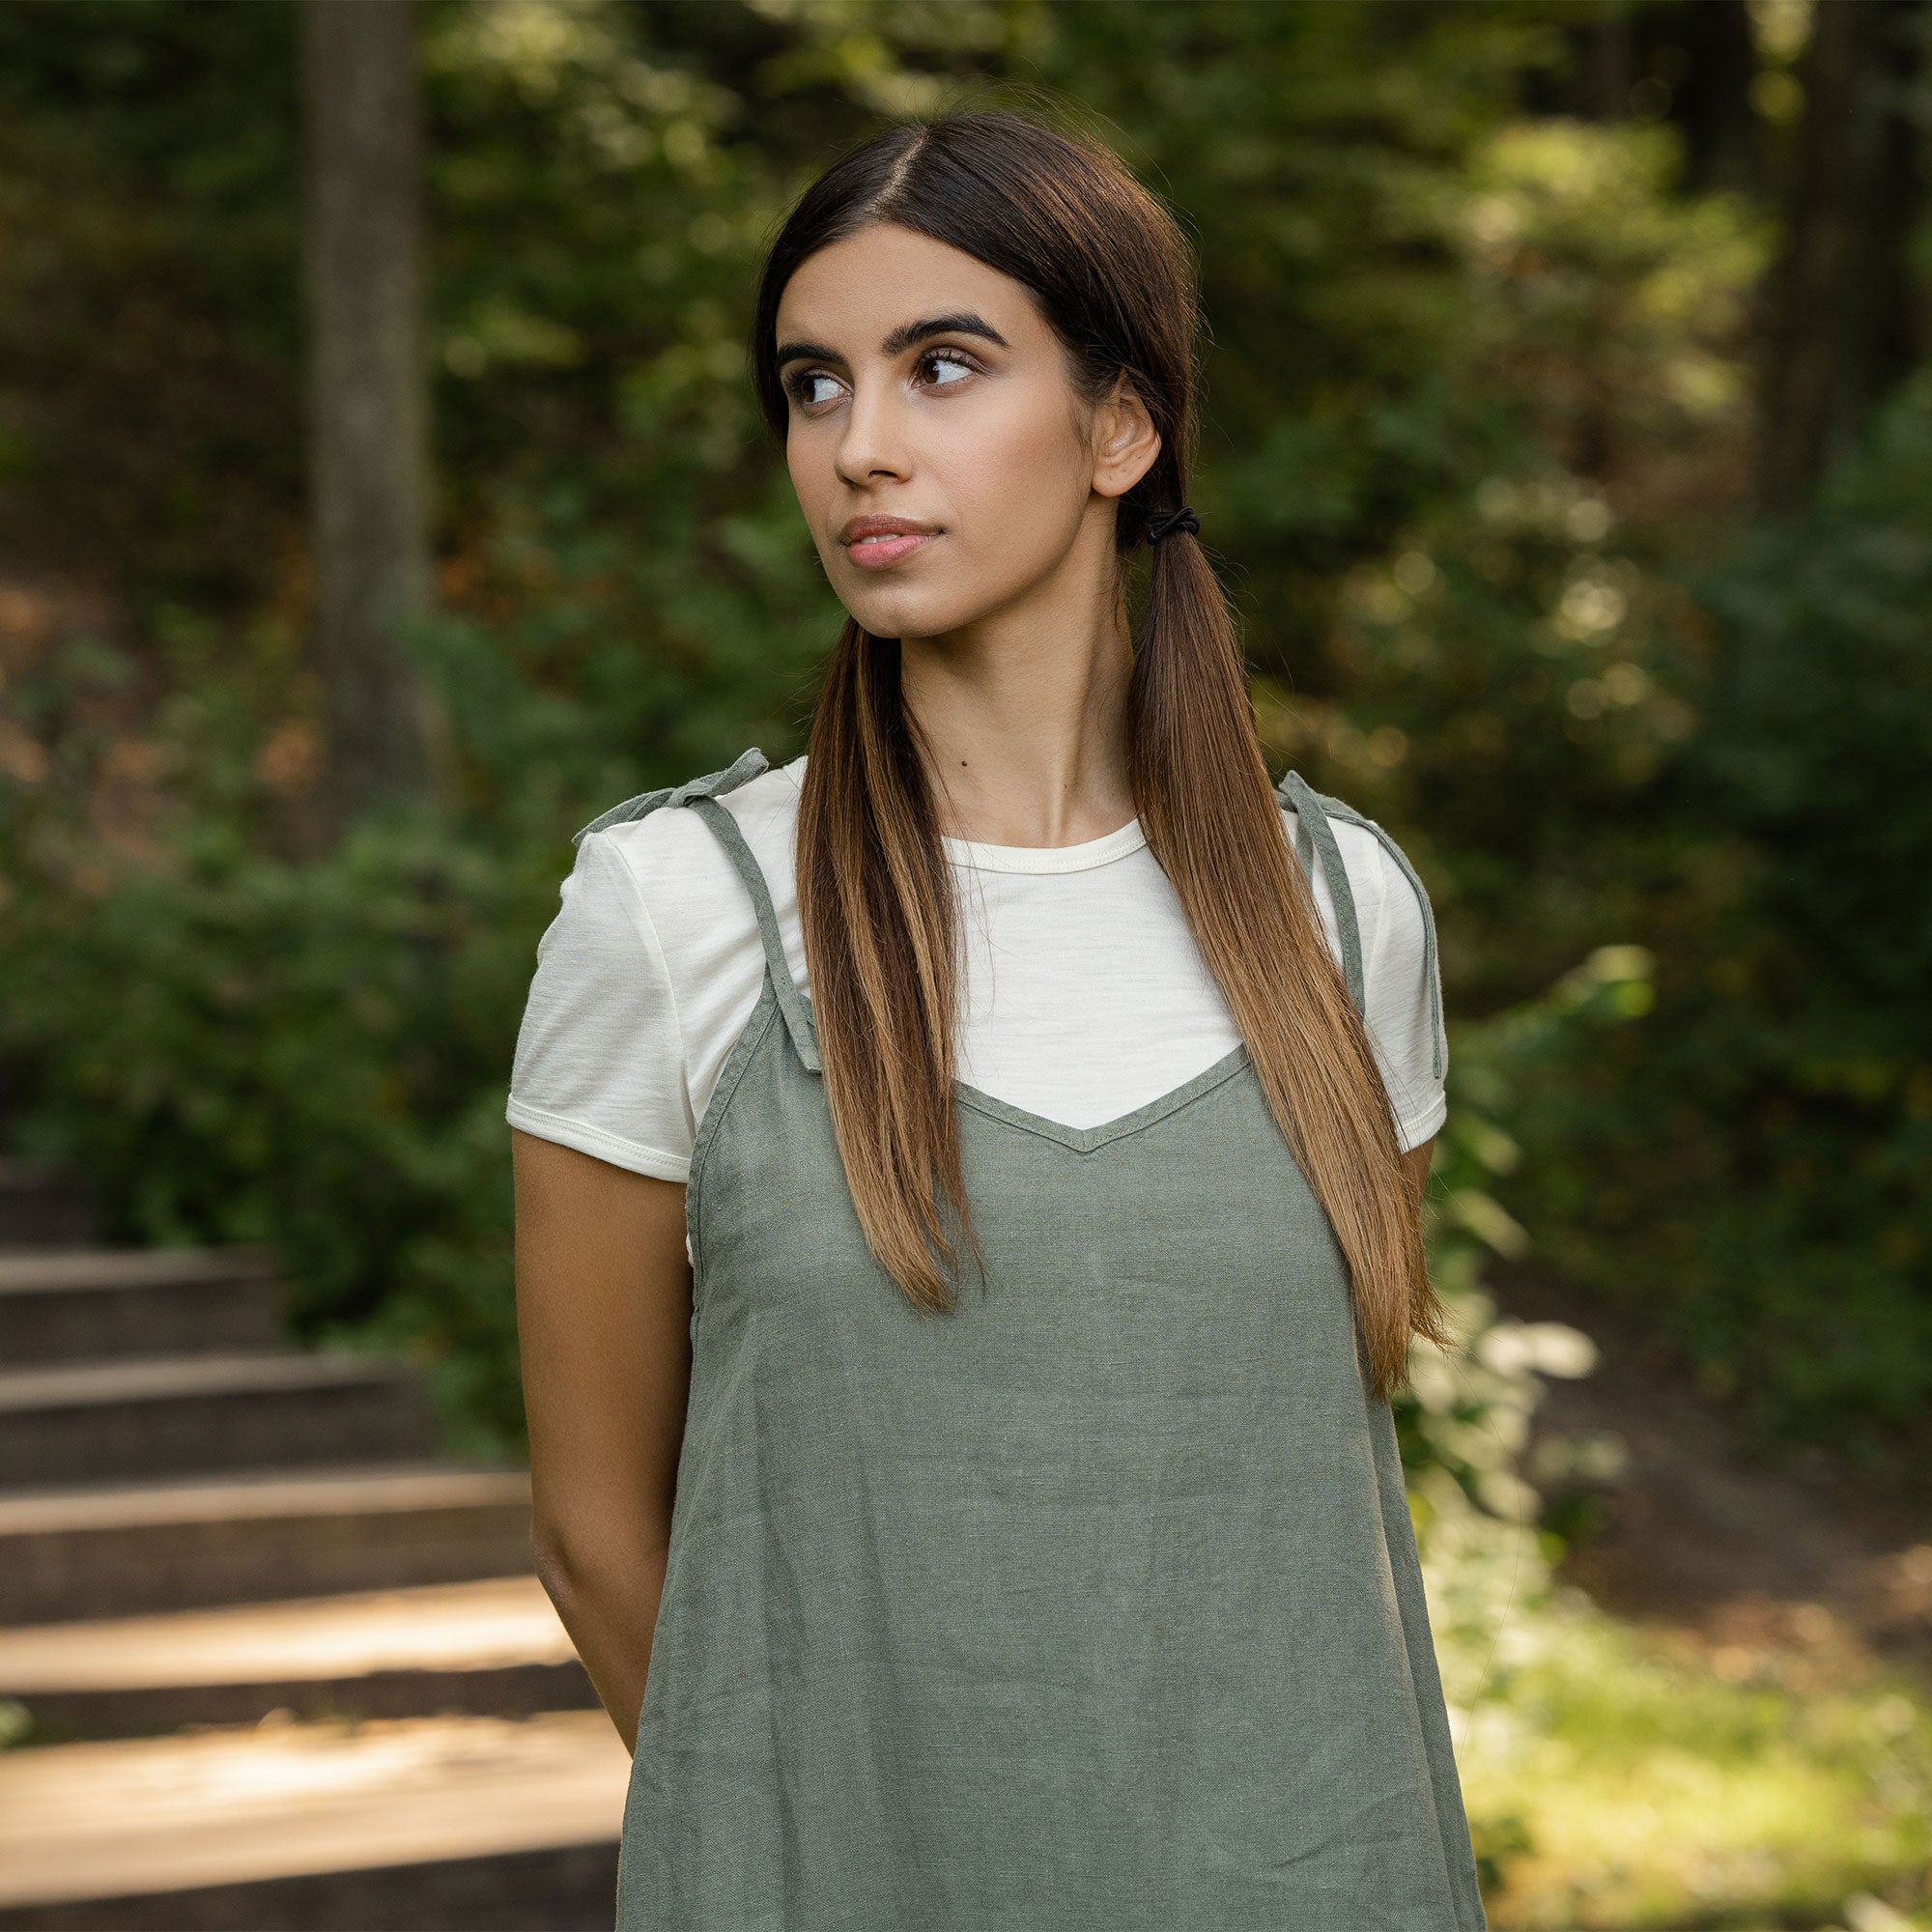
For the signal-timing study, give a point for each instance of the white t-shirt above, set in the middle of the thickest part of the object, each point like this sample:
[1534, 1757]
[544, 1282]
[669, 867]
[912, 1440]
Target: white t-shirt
[1084, 994]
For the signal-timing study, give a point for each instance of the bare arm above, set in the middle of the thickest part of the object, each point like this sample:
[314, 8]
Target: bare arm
[603, 1325]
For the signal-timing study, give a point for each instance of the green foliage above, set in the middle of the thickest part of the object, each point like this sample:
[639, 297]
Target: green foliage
[150, 294]
[1465, 1421]
[1752, 1177]
[245, 1046]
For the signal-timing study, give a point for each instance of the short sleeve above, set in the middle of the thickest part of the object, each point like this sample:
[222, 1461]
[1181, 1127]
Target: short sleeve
[1402, 999]
[600, 1064]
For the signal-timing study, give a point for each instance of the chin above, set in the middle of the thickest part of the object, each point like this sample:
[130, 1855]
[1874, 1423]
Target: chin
[902, 617]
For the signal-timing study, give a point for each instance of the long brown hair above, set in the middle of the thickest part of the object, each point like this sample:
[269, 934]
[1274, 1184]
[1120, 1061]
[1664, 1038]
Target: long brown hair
[1115, 279]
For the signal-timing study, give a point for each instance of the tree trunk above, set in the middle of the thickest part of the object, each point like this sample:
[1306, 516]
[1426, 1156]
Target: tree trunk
[1713, 102]
[1838, 324]
[369, 458]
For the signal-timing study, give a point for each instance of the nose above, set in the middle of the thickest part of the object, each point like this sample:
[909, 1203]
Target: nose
[873, 442]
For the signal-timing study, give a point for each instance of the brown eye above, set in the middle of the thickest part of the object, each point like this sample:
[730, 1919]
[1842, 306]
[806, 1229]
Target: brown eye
[947, 357]
[799, 387]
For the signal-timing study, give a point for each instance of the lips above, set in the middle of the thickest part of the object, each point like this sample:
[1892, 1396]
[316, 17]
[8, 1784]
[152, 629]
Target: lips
[875, 542]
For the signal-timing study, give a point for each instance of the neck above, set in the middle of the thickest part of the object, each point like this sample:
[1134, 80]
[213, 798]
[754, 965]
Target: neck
[1023, 716]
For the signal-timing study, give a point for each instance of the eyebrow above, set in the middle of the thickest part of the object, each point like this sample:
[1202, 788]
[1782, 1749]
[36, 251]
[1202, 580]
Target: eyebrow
[902, 338]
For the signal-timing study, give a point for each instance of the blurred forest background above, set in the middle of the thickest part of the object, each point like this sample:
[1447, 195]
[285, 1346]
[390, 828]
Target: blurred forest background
[1568, 450]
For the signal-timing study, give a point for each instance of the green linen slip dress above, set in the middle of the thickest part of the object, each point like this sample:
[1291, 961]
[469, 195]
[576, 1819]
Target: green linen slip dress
[1091, 1604]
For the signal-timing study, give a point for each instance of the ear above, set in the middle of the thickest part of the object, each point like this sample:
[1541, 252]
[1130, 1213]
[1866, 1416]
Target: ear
[1125, 441]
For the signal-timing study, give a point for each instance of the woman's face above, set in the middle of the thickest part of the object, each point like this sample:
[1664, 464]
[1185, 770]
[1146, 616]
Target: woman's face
[932, 409]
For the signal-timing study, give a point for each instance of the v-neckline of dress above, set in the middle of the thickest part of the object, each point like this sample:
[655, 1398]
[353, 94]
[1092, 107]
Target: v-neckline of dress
[1080, 1140]
[1085, 1139]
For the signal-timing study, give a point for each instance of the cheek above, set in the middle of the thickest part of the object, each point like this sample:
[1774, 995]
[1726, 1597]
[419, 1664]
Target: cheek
[1018, 472]
[811, 482]
[806, 473]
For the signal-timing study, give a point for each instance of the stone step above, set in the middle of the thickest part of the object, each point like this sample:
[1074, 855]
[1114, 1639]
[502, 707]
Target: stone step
[43, 1206]
[113, 1549]
[178, 1414]
[490, 1648]
[472, 1823]
[93, 1304]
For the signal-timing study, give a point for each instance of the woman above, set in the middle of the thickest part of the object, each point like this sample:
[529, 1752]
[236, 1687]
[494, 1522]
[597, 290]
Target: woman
[969, 1177]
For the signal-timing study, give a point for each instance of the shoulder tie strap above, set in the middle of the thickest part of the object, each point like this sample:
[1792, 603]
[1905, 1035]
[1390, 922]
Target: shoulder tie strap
[747, 764]
[1313, 812]
[1315, 835]
[701, 796]
[791, 1002]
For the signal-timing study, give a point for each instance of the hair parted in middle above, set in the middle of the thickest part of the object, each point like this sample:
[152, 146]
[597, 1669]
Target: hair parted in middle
[1115, 279]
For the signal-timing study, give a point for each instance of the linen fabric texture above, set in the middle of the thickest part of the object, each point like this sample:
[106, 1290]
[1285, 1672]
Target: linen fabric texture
[1092, 1602]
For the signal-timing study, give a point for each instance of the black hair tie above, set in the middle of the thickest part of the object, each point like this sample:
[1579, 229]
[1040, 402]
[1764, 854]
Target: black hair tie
[1170, 521]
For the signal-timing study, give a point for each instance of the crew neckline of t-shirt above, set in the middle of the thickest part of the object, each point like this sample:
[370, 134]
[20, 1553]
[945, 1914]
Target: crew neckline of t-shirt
[975, 855]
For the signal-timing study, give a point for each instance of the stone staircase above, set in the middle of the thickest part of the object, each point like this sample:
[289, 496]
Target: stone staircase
[272, 1663]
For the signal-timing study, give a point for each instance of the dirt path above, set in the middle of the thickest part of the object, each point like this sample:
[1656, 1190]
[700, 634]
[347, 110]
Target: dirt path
[1701, 1537]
